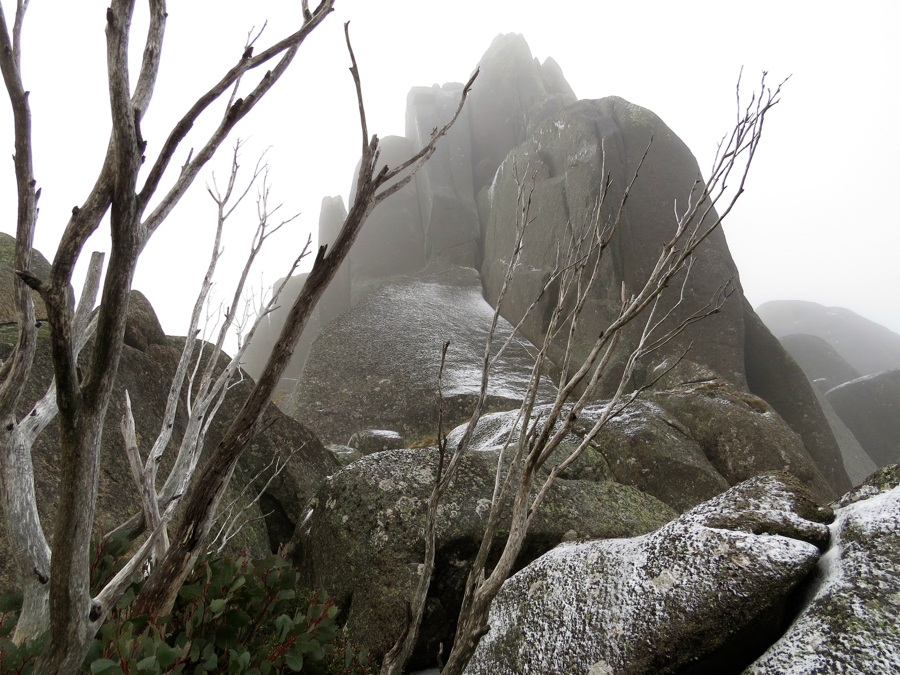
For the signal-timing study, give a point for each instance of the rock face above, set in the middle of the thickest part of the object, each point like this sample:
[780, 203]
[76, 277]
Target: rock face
[566, 155]
[848, 623]
[819, 360]
[145, 374]
[870, 407]
[709, 586]
[376, 366]
[865, 345]
[362, 540]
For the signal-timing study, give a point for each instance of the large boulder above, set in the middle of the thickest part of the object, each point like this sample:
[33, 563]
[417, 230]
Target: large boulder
[376, 366]
[268, 331]
[710, 587]
[870, 407]
[819, 360]
[567, 156]
[848, 622]
[867, 346]
[683, 443]
[363, 538]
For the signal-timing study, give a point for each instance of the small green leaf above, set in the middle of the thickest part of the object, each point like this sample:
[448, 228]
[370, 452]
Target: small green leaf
[287, 594]
[237, 618]
[146, 664]
[294, 661]
[216, 606]
[283, 624]
[190, 592]
[265, 667]
[237, 583]
[103, 666]
[226, 637]
[166, 656]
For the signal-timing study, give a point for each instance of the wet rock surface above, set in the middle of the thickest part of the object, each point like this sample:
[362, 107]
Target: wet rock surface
[377, 365]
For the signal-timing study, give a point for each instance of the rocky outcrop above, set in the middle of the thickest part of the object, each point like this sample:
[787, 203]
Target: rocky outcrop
[363, 538]
[870, 407]
[142, 327]
[513, 91]
[683, 444]
[376, 366]
[867, 346]
[848, 622]
[706, 590]
[444, 185]
[145, 374]
[819, 360]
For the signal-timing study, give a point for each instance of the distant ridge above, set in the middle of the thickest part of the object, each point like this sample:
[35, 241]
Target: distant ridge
[867, 346]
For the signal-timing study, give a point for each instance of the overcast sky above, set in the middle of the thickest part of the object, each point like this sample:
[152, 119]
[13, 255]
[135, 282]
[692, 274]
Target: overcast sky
[819, 220]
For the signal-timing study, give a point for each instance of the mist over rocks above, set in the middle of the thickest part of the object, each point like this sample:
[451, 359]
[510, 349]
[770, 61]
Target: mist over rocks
[819, 360]
[865, 345]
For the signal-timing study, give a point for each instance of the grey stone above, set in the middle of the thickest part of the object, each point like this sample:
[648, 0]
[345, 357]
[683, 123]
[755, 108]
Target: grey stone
[376, 440]
[565, 154]
[658, 603]
[363, 538]
[774, 376]
[142, 327]
[870, 407]
[376, 366]
[818, 359]
[444, 183]
[343, 454]
[848, 621]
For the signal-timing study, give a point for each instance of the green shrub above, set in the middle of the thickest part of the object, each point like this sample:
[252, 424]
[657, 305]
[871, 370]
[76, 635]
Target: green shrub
[232, 616]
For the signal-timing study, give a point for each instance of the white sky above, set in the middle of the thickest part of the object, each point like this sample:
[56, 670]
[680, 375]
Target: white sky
[818, 222]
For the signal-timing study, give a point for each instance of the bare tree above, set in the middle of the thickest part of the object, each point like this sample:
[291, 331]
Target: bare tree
[61, 580]
[539, 430]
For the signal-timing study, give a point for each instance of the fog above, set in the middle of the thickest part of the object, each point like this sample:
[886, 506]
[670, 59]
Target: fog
[818, 221]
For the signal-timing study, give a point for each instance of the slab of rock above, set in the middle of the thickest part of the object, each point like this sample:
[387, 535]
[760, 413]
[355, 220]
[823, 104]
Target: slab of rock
[363, 538]
[867, 346]
[142, 328]
[39, 266]
[711, 583]
[870, 407]
[849, 621]
[376, 366]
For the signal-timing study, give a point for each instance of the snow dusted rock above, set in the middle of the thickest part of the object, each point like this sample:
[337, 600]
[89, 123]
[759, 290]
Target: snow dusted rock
[645, 447]
[740, 434]
[376, 440]
[362, 539]
[717, 577]
[849, 622]
[376, 366]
